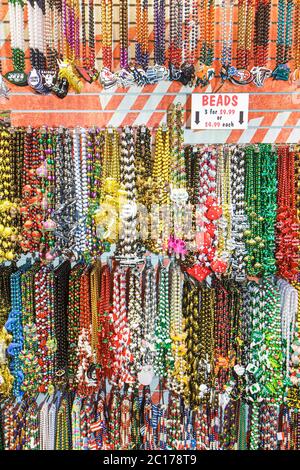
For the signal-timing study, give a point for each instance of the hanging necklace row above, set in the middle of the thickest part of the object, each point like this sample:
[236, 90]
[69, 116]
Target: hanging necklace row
[62, 43]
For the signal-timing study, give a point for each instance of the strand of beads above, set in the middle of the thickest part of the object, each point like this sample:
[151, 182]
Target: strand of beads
[73, 322]
[15, 328]
[121, 338]
[287, 236]
[124, 34]
[284, 39]
[142, 43]
[149, 316]
[269, 205]
[178, 380]
[206, 40]
[47, 146]
[239, 217]
[128, 240]
[245, 33]
[289, 308]
[107, 32]
[8, 207]
[33, 200]
[192, 340]
[159, 31]
[254, 240]
[6, 379]
[135, 317]
[16, 20]
[164, 359]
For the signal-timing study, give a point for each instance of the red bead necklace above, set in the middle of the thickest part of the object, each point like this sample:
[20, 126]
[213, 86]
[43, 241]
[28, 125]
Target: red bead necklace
[287, 237]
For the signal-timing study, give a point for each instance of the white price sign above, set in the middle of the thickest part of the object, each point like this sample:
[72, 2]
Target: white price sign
[220, 111]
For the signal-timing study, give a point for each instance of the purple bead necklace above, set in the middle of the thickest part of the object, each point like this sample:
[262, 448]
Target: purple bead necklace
[159, 31]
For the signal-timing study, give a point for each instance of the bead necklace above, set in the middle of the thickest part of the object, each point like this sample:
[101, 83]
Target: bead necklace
[222, 336]
[105, 356]
[64, 214]
[16, 20]
[142, 42]
[287, 236]
[245, 32]
[161, 190]
[178, 193]
[125, 426]
[128, 233]
[189, 40]
[107, 33]
[8, 206]
[143, 165]
[174, 424]
[14, 327]
[85, 353]
[29, 357]
[207, 214]
[159, 31]
[75, 416]
[114, 419]
[135, 318]
[121, 339]
[80, 229]
[227, 39]
[224, 248]
[42, 55]
[52, 36]
[175, 123]
[269, 195]
[95, 296]
[254, 240]
[297, 180]
[94, 160]
[295, 75]
[33, 199]
[239, 218]
[207, 41]
[61, 283]
[284, 39]
[192, 330]
[84, 188]
[164, 359]
[106, 217]
[32, 426]
[47, 147]
[70, 46]
[265, 317]
[88, 72]
[294, 374]
[135, 421]
[63, 435]
[261, 40]
[86, 416]
[186, 31]
[206, 342]
[7, 378]
[175, 48]
[161, 165]
[73, 321]
[229, 436]
[149, 298]
[44, 327]
[289, 307]
[124, 34]
[18, 150]
[178, 378]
